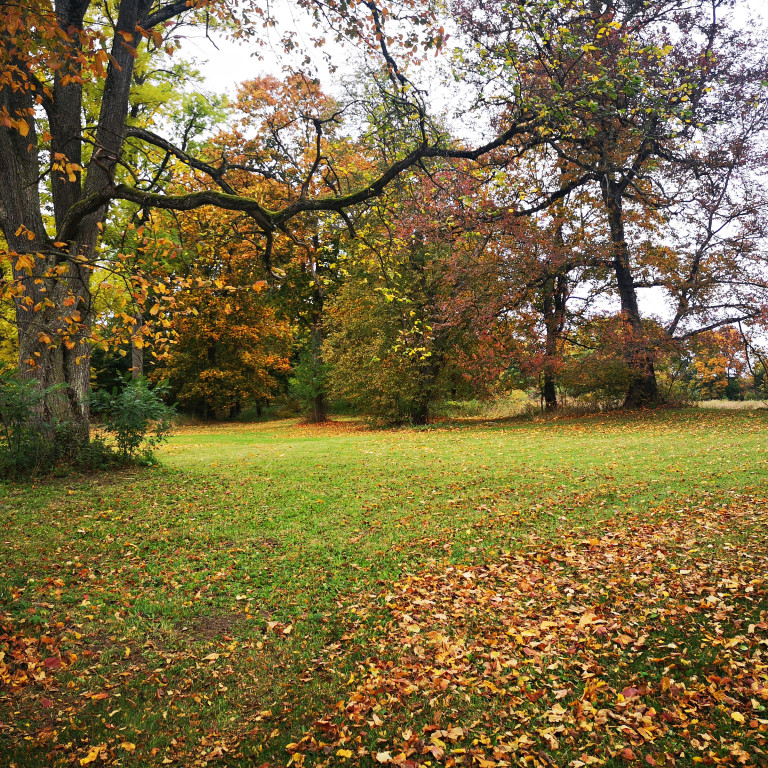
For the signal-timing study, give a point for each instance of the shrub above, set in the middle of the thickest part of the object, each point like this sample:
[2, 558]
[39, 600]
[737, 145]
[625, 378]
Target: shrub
[28, 444]
[135, 416]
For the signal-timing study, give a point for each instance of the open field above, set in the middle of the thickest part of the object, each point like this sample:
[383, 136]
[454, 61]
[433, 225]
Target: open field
[586, 591]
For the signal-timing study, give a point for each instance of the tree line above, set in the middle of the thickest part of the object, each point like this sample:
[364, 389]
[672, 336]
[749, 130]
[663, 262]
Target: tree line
[364, 245]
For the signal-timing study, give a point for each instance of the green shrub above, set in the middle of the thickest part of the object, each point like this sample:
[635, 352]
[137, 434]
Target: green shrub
[135, 416]
[28, 444]
[94, 456]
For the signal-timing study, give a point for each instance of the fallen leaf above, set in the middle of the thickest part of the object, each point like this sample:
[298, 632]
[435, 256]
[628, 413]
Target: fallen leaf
[93, 754]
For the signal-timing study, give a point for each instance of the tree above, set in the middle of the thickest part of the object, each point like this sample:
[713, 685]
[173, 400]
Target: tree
[399, 342]
[718, 364]
[529, 280]
[228, 344]
[629, 90]
[231, 351]
[48, 53]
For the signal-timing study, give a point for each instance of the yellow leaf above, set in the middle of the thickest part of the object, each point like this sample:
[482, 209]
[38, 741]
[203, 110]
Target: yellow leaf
[738, 717]
[344, 753]
[26, 262]
[128, 747]
[93, 753]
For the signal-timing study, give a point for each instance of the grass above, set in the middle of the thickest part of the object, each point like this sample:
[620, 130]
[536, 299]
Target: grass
[221, 605]
[734, 405]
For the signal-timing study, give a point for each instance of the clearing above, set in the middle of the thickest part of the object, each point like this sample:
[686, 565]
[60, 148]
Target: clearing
[586, 591]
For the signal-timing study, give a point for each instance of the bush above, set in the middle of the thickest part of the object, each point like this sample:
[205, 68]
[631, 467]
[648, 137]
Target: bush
[28, 444]
[135, 416]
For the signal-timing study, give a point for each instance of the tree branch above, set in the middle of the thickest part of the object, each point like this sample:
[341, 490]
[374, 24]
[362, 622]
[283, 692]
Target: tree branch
[719, 324]
[158, 141]
[166, 13]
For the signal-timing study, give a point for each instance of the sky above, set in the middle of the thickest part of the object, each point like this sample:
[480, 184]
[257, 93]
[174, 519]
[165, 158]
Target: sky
[225, 64]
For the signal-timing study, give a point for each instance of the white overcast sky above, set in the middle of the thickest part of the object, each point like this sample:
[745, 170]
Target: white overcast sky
[225, 67]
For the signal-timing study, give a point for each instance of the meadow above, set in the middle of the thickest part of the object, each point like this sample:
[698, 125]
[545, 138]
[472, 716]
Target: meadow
[562, 592]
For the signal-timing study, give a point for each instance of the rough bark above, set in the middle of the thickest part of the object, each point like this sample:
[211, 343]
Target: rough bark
[317, 335]
[555, 296]
[40, 305]
[642, 390]
[53, 311]
[319, 403]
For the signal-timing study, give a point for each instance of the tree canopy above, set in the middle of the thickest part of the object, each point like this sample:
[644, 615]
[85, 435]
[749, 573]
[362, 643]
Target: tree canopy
[607, 147]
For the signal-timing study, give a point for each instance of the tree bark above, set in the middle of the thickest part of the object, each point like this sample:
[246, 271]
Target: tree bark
[41, 312]
[53, 308]
[555, 296]
[642, 390]
[319, 402]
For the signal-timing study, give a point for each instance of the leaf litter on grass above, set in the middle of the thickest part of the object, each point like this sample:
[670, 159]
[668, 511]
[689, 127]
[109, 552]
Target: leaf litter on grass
[171, 579]
[645, 644]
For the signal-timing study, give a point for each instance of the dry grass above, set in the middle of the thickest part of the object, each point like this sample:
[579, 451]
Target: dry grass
[734, 405]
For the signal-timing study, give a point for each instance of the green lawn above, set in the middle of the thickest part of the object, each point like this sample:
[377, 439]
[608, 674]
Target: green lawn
[567, 592]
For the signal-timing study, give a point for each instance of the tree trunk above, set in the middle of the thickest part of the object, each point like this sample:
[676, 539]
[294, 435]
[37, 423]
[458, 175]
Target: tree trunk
[555, 296]
[137, 352]
[47, 352]
[420, 417]
[319, 402]
[319, 409]
[549, 391]
[53, 306]
[642, 390]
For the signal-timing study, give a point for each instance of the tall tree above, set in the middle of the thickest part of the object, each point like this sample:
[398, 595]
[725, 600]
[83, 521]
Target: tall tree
[48, 52]
[628, 90]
